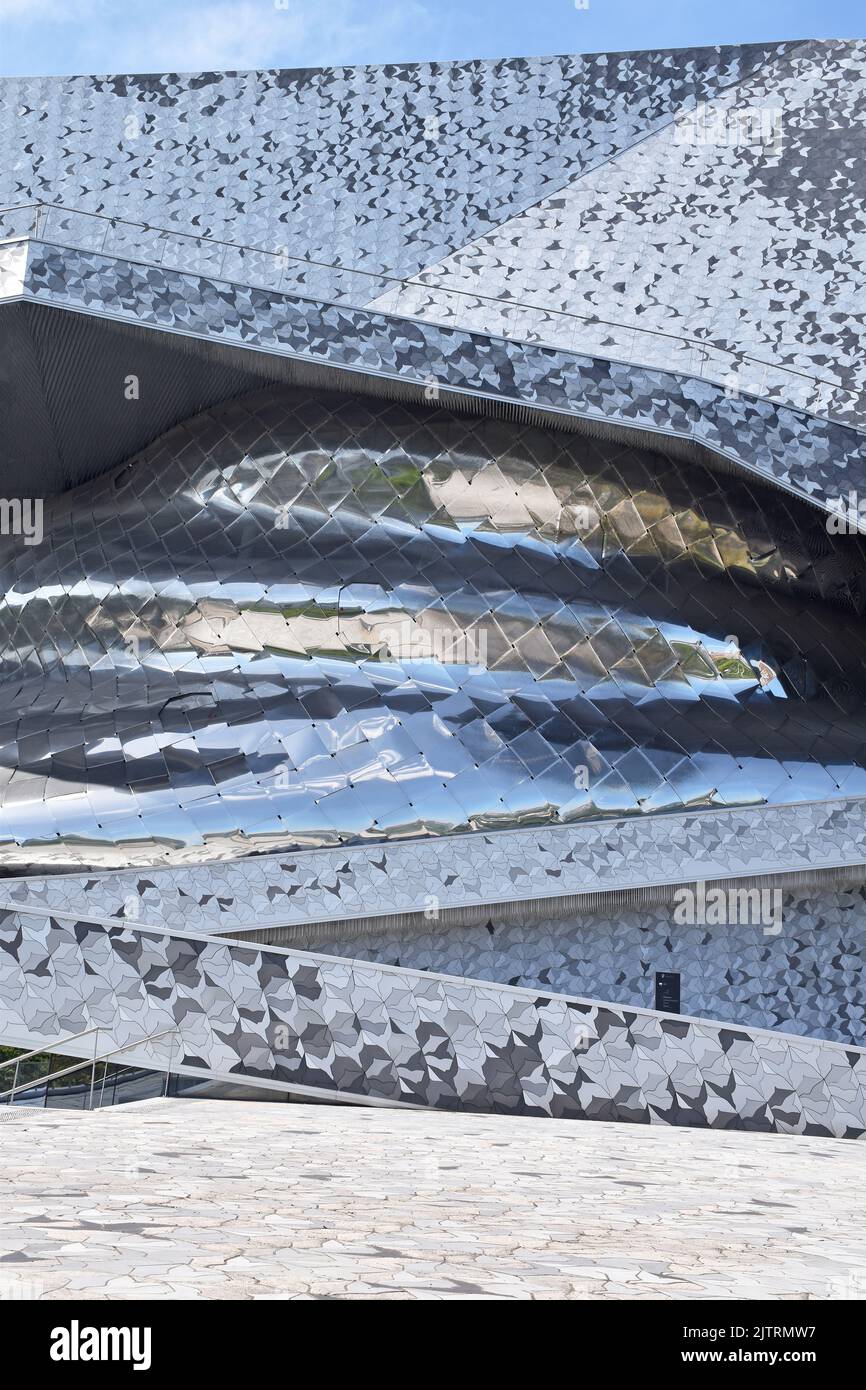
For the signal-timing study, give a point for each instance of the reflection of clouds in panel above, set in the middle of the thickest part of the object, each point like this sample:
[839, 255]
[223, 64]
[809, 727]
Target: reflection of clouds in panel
[456, 625]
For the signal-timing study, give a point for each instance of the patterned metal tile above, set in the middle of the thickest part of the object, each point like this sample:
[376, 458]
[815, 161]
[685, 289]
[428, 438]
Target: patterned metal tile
[355, 631]
[356, 881]
[302, 620]
[368, 1032]
[815, 458]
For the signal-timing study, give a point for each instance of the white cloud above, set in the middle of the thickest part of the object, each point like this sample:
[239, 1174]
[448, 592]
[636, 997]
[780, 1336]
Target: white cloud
[240, 34]
[22, 13]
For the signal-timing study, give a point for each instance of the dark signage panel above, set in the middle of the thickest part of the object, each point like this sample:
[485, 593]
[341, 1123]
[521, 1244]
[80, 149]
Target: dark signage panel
[668, 991]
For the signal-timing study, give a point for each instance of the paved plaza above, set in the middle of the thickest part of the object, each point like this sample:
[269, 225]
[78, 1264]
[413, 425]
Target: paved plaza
[236, 1200]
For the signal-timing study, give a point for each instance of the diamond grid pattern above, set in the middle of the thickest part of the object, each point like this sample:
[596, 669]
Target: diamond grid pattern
[309, 622]
[309, 619]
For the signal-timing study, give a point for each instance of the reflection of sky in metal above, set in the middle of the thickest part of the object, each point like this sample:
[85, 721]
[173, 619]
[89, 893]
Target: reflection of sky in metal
[299, 620]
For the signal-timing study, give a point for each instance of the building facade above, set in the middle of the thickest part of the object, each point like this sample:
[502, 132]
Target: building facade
[433, 580]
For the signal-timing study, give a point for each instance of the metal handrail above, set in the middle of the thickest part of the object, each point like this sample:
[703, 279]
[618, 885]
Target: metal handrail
[137, 1042]
[136, 1070]
[47, 1048]
[38, 1051]
[125, 1048]
[411, 282]
[86, 1062]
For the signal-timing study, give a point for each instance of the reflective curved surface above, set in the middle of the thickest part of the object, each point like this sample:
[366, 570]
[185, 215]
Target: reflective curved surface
[302, 619]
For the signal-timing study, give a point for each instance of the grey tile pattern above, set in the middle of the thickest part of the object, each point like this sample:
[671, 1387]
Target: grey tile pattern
[736, 233]
[300, 159]
[270, 1202]
[358, 881]
[394, 1036]
[313, 619]
[803, 974]
[818, 459]
[483, 179]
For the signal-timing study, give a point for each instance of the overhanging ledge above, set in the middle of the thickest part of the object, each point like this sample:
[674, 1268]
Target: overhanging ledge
[295, 887]
[815, 459]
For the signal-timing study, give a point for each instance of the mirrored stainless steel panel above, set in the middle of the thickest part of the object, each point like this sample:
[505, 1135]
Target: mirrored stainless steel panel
[308, 619]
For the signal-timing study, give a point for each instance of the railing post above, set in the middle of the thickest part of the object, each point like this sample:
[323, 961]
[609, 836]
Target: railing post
[168, 1072]
[93, 1069]
[14, 1083]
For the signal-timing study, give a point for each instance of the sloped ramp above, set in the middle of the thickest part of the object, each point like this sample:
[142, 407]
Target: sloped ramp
[376, 1034]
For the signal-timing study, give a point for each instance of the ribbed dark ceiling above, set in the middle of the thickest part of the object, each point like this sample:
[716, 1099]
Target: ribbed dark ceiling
[64, 415]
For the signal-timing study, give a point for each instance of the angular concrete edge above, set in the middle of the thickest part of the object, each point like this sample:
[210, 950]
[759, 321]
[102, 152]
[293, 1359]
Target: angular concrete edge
[371, 1033]
[808, 456]
[481, 869]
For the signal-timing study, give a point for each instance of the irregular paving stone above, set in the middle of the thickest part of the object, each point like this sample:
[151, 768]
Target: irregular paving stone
[692, 1215]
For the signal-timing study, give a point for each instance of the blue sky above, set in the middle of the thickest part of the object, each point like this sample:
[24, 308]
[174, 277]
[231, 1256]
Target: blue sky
[54, 36]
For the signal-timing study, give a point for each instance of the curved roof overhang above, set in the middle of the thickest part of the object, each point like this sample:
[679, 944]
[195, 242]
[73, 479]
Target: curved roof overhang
[194, 340]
